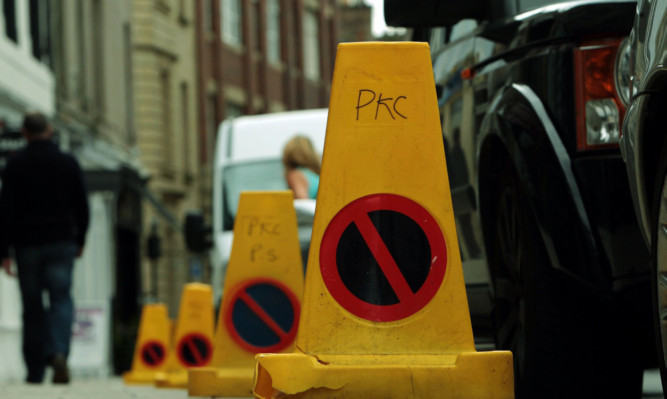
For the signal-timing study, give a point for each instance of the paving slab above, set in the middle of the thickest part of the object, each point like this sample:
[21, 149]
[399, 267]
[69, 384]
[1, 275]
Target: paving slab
[112, 388]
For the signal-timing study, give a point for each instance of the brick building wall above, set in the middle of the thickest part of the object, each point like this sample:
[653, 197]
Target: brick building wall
[241, 76]
[355, 23]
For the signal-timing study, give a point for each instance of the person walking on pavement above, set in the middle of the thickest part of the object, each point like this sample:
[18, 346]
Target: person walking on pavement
[44, 219]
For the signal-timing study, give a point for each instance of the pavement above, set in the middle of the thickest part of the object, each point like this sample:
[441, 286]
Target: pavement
[652, 385]
[113, 388]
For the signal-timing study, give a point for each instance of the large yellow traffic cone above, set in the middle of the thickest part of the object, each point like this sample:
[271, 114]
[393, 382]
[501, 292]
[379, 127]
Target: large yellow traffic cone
[193, 339]
[385, 312]
[152, 346]
[262, 294]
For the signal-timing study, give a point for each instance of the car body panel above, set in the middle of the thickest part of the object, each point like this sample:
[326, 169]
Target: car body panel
[533, 119]
[644, 145]
[641, 145]
[508, 88]
[519, 120]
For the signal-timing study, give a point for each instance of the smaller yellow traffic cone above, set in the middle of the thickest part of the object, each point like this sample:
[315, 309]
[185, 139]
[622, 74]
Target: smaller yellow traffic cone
[152, 346]
[262, 294]
[193, 339]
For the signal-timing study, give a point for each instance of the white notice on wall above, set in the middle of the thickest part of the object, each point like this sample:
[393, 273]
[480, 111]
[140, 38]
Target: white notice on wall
[90, 340]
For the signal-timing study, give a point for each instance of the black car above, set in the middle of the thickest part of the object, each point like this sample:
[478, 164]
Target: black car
[531, 120]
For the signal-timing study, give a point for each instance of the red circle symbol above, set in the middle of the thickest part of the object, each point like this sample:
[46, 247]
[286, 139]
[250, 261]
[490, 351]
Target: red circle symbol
[194, 350]
[383, 257]
[153, 353]
[262, 315]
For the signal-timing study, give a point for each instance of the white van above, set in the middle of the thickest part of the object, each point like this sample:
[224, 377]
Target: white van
[248, 156]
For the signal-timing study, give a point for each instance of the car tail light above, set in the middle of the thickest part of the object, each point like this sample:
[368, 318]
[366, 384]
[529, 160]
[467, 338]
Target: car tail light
[599, 110]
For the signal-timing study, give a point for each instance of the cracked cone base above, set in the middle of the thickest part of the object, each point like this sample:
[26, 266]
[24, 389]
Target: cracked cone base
[211, 381]
[479, 375]
[139, 377]
[177, 379]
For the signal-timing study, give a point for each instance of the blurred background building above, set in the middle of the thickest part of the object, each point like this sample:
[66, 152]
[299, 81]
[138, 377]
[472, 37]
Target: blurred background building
[164, 66]
[354, 21]
[136, 90]
[261, 56]
[95, 120]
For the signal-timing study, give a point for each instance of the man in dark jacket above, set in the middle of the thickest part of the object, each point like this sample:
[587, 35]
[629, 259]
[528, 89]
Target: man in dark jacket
[43, 218]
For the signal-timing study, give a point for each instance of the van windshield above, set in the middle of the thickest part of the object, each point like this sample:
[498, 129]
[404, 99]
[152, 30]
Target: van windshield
[254, 175]
[527, 5]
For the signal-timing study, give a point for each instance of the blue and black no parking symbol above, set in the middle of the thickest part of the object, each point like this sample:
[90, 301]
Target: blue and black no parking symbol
[263, 315]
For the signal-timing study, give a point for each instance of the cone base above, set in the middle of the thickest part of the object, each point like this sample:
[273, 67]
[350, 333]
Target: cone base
[139, 377]
[176, 379]
[479, 375]
[225, 382]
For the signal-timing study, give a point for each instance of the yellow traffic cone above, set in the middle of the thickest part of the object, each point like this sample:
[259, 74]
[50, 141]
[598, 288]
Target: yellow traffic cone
[262, 294]
[152, 346]
[193, 339]
[385, 312]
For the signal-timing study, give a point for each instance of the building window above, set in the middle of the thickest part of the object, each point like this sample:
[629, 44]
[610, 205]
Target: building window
[80, 78]
[207, 15]
[184, 11]
[9, 10]
[129, 97]
[163, 6]
[311, 46]
[293, 41]
[438, 39]
[234, 110]
[185, 120]
[257, 23]
[165, 89]
[232, 19]
[273, 31]
[39, 30]
[211, 126]
[98, 56]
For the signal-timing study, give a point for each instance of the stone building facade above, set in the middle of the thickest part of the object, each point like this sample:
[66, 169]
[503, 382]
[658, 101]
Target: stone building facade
[136, 90]
[126, 93]
[164, 67]
[94, 120]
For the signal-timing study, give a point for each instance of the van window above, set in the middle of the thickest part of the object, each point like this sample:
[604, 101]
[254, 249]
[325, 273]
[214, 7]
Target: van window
[462, 28]
[438, 39]
[258, 175]
[527, 5]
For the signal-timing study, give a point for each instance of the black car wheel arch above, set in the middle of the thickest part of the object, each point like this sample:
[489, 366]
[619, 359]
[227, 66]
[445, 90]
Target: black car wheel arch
[516, 133]
[564, 340]
[658, 224]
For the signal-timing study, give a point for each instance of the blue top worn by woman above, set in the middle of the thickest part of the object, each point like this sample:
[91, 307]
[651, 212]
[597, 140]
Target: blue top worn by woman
[313, 182]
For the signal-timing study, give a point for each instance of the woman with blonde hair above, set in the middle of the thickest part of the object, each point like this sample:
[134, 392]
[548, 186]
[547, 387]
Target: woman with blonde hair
[302, 167]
